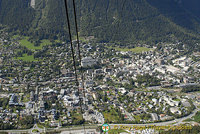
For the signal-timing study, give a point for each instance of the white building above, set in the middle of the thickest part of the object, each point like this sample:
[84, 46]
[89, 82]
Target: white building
[154, 116]
[88, 61]
[33, 3]
[175, 110]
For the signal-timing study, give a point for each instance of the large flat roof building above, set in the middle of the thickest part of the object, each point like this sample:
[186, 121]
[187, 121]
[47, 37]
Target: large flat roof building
[88, 61]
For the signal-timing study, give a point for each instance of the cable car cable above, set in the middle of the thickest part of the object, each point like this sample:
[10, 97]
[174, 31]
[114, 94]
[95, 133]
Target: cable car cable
[74, 62]
[78, 42]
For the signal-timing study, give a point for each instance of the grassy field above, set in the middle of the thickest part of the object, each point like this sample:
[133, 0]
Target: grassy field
[45, 42]
[197, 117]
[176, 99]
[116, 131]
[40, 126]
[83, 39]
[77, 116]
[58, 41]
[29, 45]
[35, 131]
[137, 117]
[15, 36]
[27, 58]
[111, 116]
[135, 50]
[188, 120]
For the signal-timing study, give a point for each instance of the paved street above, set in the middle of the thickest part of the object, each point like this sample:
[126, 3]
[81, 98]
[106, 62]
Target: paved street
[176, 121]
[87, 131]
[92, 130]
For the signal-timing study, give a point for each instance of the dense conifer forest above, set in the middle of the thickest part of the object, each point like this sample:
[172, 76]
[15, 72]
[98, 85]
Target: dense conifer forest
[124, 21]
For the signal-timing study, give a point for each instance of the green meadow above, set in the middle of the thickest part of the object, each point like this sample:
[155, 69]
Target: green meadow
[135, 50]
[111, 116]
[15, 36]
[29, 45]
[27, 58]
[116, 131]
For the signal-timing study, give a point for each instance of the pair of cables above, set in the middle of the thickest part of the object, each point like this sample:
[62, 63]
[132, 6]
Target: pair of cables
[79, 52]
[73, 52]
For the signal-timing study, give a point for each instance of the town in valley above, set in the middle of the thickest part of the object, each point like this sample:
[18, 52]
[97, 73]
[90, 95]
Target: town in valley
[141, 84]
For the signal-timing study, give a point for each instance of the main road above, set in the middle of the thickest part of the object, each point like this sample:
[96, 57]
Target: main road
[92, 127]
[174, 122]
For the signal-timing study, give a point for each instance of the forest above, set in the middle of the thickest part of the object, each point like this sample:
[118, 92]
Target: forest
[125, 21]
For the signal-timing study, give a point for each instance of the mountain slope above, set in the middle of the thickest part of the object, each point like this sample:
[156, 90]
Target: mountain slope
[16, 13]
[137, 20]
[192, 6]
[175, 11]
[108, 20]
[50, 18]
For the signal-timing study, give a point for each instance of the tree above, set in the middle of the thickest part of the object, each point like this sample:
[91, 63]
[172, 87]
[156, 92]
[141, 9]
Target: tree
[148, 80]
[27, 122]
[105, 97]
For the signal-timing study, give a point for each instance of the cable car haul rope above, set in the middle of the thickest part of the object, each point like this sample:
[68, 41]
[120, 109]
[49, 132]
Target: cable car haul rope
[73, 56]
